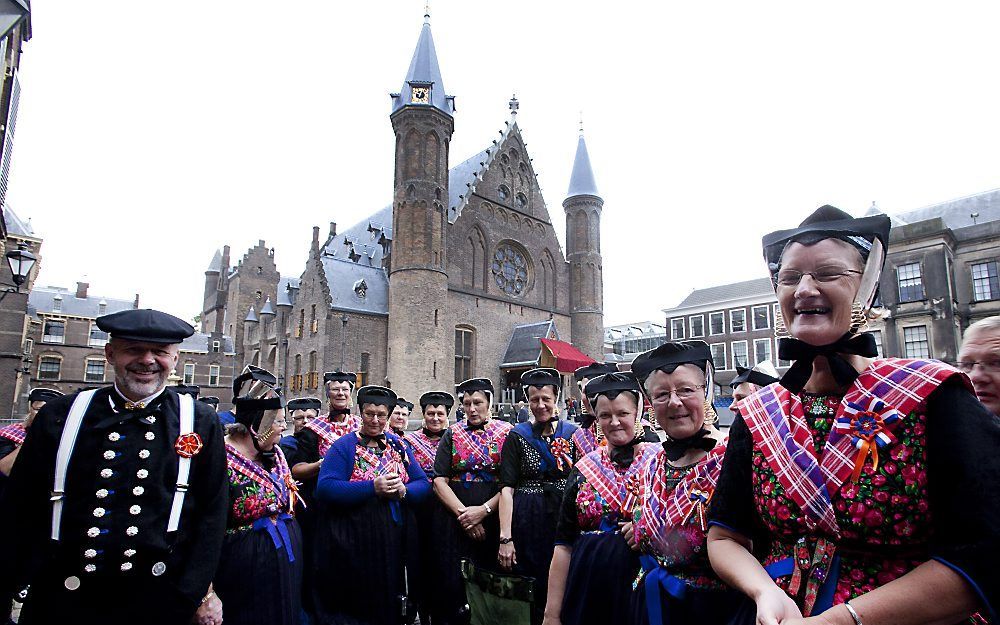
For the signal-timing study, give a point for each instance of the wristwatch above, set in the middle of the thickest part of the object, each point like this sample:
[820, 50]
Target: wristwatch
[489, 510]
[504, 541]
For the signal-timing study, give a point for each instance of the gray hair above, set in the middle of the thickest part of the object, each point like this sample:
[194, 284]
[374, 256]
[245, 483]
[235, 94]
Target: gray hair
[988, 324]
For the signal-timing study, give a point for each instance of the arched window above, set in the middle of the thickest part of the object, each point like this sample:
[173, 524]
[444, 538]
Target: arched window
[465, 349]
[313, 371]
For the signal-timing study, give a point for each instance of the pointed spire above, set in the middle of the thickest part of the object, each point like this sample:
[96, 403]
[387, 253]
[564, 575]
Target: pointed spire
[251, 316]
[423, 76]
[267, 308]
[216, 264]
[581, 182]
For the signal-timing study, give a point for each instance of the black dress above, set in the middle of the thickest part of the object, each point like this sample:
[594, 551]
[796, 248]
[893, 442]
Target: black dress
[260, 574]
[536, 467]
[469, 457]
[423, 444]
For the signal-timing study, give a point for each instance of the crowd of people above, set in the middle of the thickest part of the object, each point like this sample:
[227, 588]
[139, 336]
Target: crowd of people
[851, 490]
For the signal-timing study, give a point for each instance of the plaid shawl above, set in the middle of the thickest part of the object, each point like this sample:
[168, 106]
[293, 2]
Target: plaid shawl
[277, 481]
[585, 440]
[780, 431]
[613, 484]
[329, 431]
[14, 432]
[369, 465]
[424, 450]
[475, 449]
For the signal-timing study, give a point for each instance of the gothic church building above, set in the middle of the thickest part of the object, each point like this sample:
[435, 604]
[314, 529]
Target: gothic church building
[461, 276]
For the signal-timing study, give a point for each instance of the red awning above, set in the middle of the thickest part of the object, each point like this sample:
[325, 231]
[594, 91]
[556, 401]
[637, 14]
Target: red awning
[568, 358]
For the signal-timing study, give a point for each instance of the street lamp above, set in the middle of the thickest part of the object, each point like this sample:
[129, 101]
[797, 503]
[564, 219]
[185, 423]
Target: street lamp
[21, 261]
[343, 340]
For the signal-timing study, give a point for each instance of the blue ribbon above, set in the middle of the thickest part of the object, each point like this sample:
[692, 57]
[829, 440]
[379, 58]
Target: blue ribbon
[657, 578]
[824, 598]
[394, 510]
[278, 531]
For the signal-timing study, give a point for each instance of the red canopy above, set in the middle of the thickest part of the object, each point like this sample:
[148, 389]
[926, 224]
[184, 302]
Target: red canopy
[568, 358]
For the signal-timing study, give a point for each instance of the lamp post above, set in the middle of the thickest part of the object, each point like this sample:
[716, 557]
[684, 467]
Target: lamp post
[343, 340]
[21, 261]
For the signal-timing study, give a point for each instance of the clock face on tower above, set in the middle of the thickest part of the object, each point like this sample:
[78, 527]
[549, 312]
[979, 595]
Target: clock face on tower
[420, 95]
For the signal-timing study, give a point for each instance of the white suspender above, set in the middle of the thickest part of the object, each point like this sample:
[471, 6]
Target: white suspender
[66, 443]
[68, 440]
[184, 465]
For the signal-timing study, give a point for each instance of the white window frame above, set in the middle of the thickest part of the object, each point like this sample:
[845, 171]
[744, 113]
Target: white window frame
[673, 335]
[725, 355]
[216, 346]
[51, 338]
[770, 352]
[691, 333]
[732, 353]
[753, 317]
[38, 371]
[732, 330]
[927, 338]
[86, 369]
[91, 341]
[720, 313]
[976, 290]
[194, 369]
[918, 278]
[214, 373]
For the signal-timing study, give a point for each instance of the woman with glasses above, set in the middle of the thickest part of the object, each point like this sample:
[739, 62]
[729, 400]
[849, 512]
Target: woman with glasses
[677, 585]
[858, 490]
[590, 578]
[465, 482]
[537, 458]
[365, 534]
[260, 572]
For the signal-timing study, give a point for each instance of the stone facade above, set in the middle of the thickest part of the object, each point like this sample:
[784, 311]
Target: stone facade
[15, 352]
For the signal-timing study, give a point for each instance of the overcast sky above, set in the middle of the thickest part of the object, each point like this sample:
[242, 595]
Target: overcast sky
[150, 133]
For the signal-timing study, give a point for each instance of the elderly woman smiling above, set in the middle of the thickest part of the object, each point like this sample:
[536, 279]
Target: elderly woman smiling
[867, 486]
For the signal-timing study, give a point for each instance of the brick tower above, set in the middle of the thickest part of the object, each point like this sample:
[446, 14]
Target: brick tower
[421, 355]
[583, 207]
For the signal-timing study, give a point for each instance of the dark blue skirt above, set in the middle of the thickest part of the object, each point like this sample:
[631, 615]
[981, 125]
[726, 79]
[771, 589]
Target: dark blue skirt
[599, 581]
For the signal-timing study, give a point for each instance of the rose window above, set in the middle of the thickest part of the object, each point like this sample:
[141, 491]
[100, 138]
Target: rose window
[510, 270]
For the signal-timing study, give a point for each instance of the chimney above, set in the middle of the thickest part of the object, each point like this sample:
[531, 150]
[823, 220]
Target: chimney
[315, 243]
[333, 229]
[135, 304]
[81, 290]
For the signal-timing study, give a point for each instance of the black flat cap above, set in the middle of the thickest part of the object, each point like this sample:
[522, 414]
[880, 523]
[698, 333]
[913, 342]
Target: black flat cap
[210, 400]
[188, 389]
[378, 395]
[753, 376]
[542, 376]
[611, 384]
[304, 403]
[475, 384]
[340, 376]
[593, 370]
[146, 326]
[829, 222]
[402, 403]
[669, 356]
[437, 398]
[43, 394]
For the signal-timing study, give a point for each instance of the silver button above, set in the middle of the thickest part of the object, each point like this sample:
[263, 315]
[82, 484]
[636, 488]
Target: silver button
[109, 455]
[150, 436]
[72, 582]
[90, 568]
[142, 474]
[144, 453]
[159, 569]
[94, 532]
[106, 473]
[132, 530]
[114, 436]
[134, 510]
[138, 490]
[101, 494]
[98, 512]
[90, 553]
[126, 566]
[129, 553]
[151, 419]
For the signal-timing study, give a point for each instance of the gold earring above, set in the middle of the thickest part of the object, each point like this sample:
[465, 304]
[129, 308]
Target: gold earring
[711, 417]
[780, 331]
[859, 320]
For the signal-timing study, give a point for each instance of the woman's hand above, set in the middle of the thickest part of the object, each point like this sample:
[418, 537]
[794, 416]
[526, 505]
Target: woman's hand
[628, 532]
[507, 556]
[774, 607]
[551, 620]
[476, 532]
[473, 515]
[209, 612]
[388, 486]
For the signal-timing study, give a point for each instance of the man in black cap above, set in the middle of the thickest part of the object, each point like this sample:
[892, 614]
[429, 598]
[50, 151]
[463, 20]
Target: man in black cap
[302, 411]
[120, 492]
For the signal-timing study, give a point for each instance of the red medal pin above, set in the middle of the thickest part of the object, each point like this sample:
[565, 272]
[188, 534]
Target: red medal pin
[188, 445]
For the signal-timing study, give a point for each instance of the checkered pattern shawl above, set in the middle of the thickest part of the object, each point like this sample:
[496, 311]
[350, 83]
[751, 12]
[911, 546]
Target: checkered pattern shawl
[329, 432]
[14, 432]
[610, 482]
[424, 450]
[780, 430]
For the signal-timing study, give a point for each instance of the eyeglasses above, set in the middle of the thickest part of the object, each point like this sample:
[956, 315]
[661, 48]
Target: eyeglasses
[791, 277]
[682, 393]
[375, 415]
[966, 366]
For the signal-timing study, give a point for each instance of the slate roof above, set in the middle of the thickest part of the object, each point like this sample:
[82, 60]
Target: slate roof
[525, 345]
[15, 225]
[288, 288]
[725, 292]
[424, 69]
[957, 213]
[342, 276]
[42, 300]
[582, 182]
[201, 342]
[216, 264]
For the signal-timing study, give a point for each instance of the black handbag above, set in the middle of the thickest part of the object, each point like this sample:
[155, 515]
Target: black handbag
[497, 598]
